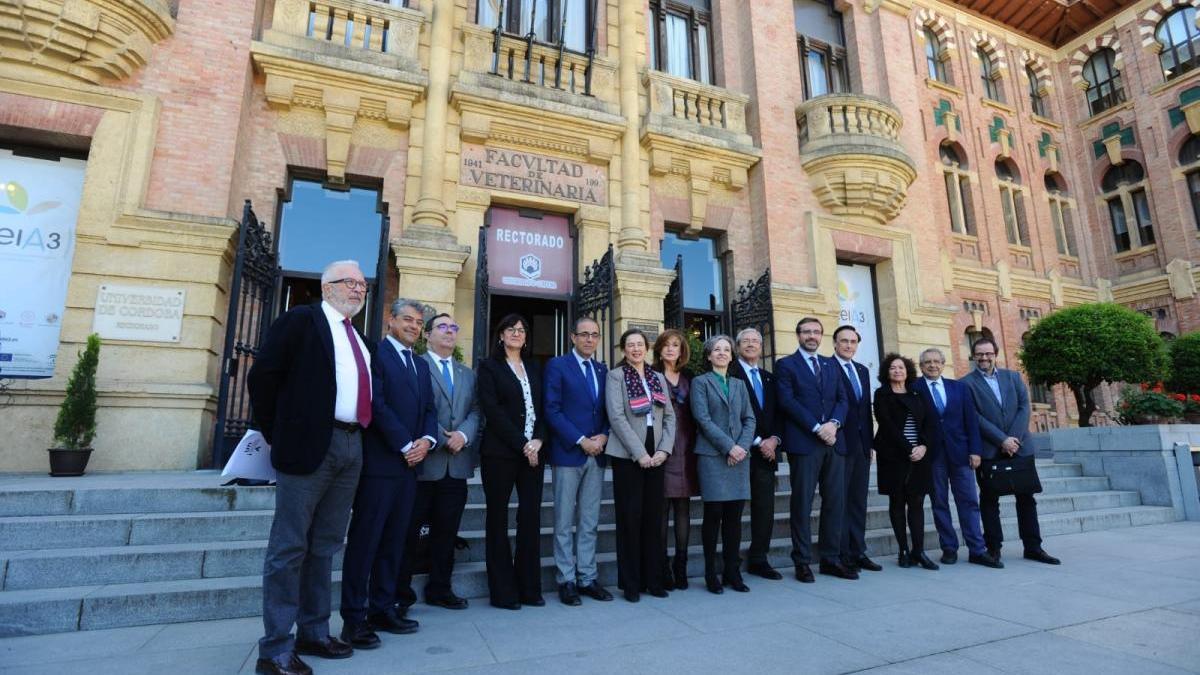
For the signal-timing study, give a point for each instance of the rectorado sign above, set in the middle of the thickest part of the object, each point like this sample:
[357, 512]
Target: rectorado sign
[530, 255]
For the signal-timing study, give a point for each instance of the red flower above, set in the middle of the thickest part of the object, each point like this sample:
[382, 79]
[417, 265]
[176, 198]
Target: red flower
[1196, 398]
[1144, 386]
[1157, 388]
[1179, 397]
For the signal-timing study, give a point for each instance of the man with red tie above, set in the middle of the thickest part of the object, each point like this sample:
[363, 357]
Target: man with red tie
[310, 390]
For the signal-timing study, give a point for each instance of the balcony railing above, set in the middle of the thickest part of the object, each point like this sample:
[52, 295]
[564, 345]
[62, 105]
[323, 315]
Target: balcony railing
[851, 144]
[697, 103]
[524, 59]
[371, 26]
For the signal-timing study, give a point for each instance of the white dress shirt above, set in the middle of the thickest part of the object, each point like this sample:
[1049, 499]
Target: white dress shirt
[345, 370]
[400, 349]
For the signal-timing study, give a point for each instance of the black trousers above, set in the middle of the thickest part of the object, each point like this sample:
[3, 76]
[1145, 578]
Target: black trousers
[638, 498]
[375, 545]
[439, 504]
[1027, 519]
[908, 509]
[512, 578]
[762, 507]
[724, 518]
[858, 476]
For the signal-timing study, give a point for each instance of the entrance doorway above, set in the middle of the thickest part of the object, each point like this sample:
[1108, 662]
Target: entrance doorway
[548, 323]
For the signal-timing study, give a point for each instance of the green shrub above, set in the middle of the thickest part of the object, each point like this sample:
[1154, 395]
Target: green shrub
[76, 424]
[1185, 363]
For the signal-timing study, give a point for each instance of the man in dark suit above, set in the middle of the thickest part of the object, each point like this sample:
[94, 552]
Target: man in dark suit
[310, 392]
[955, 455]
[578, 420]
[859, 432]
[764, 451]
[813, 402]
[404, 431]
[442, 480]
[1003, 404]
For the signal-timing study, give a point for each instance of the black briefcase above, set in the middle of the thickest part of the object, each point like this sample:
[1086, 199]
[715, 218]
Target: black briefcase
[1011, 476]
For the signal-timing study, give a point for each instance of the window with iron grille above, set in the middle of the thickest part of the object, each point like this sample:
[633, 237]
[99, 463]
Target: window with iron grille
[548, 20]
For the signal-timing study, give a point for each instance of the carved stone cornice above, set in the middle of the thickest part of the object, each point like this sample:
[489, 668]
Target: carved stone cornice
[87, 40]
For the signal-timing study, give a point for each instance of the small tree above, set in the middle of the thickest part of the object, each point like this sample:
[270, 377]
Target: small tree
[1185, 364]
[76, 424]
[1085, 346]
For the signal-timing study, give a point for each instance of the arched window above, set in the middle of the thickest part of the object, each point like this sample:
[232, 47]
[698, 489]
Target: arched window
[988, 75]
[1180, 42]
[1060, 214]
[1037, 101]
[935, 57]
[958, 190]
[681, 38]
[1189, 156]
[1124, 190]
[1104, 81]
[821, 42]
[1012, 204]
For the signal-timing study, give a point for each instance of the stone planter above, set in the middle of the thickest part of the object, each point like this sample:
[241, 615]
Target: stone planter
[1154, 460]
[65, 462]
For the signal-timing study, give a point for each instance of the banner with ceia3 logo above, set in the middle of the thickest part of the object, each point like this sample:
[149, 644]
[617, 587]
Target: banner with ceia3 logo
[39, 204]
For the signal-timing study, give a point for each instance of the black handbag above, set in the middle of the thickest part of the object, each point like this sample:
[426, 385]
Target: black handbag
[1011, 476]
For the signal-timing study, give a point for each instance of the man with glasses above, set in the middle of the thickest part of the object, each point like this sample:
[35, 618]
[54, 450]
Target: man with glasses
[311, 395]
[956, 454]
[442, 481]
[578, 421]
[403, 433]
[1003, 404]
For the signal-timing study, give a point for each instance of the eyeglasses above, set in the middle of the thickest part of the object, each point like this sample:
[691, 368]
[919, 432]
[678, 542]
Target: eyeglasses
[447, 327]
[984, 355]
[592, 336]
[352, 284]
[515, 330]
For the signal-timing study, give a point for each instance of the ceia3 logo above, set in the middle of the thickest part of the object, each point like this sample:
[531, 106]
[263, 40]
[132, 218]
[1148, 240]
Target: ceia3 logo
[531, 266]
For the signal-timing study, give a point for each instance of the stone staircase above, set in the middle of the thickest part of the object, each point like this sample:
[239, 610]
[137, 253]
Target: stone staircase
[115, 550]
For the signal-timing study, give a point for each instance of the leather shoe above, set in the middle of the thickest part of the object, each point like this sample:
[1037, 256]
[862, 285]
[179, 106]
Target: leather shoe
[869, 565]
[765, 571]
[284, 664]
[837, 570]
[633, 596]
[923, 560]
[506, 605]
[986, 560]
[658, 592]
[328, 647]
[359, 635]
[596, 592]
[713, 584]
[392, 623]
[1041, 556]
[994, 552]
[904, 559]
[568, 594]
[537, 601]
[804, 574]
[950, 556]
[450, 601]
[737, 584]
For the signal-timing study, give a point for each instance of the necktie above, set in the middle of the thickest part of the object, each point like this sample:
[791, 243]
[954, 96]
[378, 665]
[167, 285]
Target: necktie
[854, 381]
[591, 379]
[407, 354]
[816, 367]
[446, 376]
[937, 397]
[363, 409]
[756, 381]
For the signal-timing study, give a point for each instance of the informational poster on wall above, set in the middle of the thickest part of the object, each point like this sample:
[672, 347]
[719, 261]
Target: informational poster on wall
[529, 254]
[39, 204]
[856, 295]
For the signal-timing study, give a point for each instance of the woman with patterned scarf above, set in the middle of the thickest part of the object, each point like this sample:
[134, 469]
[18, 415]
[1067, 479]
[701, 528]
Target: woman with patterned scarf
[643, 435]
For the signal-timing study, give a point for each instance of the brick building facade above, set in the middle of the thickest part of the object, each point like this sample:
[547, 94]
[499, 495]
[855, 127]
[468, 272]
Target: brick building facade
[978, 177]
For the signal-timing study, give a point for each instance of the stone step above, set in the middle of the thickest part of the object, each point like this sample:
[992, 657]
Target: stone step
[93, 607]
[52, 568]
[200, 491]
[76, 531]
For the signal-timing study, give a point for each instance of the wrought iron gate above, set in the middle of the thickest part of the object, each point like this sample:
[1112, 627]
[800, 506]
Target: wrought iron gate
[251, 301]
[594, 298]
[752, 308]
[673, 302]
[481, 338]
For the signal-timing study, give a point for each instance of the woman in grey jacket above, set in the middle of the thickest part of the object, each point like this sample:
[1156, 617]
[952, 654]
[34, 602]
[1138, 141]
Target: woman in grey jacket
[643, 435]
[725, 420]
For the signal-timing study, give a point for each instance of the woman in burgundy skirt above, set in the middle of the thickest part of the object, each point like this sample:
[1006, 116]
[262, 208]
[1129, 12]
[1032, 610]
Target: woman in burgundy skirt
[671, 354]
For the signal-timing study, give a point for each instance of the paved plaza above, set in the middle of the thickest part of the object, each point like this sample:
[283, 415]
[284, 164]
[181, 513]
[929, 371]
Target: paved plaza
[1124, 601]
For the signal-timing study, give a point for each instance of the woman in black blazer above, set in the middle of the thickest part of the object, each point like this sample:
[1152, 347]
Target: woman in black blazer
[904, 475]
[510, 395]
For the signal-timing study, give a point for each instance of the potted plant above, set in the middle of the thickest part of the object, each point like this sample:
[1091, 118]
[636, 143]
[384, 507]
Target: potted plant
[76, 424]
[1149, 406]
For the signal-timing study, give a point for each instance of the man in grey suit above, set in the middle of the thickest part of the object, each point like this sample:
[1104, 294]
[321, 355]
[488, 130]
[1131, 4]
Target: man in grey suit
[1003, 404]
[442, 479]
